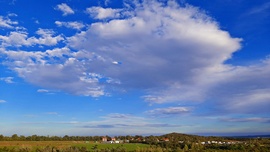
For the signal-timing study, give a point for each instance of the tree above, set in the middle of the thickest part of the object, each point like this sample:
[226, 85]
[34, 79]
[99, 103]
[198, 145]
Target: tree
[185, 147]
[14, 137]
[1, 137]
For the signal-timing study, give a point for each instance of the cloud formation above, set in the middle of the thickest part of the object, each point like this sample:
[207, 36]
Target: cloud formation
[161, 47]
[173, 53]
[3, 101]
[166, 43]
[114, 121]
[5, 22]
[7, 79]
[20, 38]
[169, 111]
[73, 25]
[65, 9]
[103, 13]
[260, 9]
[251, 119]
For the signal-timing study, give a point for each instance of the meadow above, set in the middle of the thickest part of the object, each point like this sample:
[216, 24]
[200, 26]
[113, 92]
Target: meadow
[61, 145]
[173, 142]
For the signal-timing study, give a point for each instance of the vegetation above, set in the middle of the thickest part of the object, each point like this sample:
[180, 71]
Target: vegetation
[173, 142]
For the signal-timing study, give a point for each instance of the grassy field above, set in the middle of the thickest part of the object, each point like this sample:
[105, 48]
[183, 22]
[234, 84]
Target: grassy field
[66, 144]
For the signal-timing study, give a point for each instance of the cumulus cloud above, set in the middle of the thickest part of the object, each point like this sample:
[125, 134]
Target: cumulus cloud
[173, 53]
[20, 38]
[103, 13]
[65, 9]
[160, 48]
[72, 25]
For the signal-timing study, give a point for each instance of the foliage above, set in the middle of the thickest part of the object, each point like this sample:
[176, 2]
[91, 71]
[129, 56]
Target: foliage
[173, 142]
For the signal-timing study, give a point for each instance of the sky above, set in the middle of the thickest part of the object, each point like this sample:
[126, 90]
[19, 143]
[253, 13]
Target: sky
[141, 67]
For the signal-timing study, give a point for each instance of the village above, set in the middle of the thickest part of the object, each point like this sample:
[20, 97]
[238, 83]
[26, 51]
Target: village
[114, 140]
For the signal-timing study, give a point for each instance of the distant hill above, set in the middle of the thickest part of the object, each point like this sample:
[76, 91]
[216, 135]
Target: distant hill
[196, 138]
[184, 137]
[252, 136]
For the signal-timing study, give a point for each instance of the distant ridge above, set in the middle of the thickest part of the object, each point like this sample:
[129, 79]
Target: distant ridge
[251, 136]
[194, 138]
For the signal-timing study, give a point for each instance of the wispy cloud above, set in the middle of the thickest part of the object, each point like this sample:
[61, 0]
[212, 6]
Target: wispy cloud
[260, 9]
[3, 101]
[118, 116]
[73, 25]
[150, 125]
[43, 91]
[169, 111]
[106, 2]
[51, 113]
[65, 9]
[7, 79]
[250, 119]
[5, 22]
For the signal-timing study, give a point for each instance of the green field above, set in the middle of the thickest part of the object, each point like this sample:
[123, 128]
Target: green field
[34, 145]
[127, 146]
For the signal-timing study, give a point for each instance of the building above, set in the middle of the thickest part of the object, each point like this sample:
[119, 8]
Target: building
[104, 139]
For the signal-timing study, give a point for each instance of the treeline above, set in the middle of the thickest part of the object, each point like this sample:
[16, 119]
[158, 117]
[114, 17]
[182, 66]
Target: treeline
[16, 137]
[173, 142]
[172, 137]
[137, 138]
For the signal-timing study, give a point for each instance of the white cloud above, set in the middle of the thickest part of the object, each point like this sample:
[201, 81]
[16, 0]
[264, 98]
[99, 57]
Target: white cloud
[65, 9]
[20, 38]
[259, 9]
[72, 25]
[132, 124]
[7, 23]
[250, 119]
[173, 53]
[106, 2]
[243, 89]
[2, 101]
[170, 111]
[7, 79]
[128, 124]
[12, 14]
[116, 62]
[103, 13]
[56, 69]
[160, 48]
[43, 91]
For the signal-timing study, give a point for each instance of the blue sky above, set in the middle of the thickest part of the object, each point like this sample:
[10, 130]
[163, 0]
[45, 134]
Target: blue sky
[110, 67]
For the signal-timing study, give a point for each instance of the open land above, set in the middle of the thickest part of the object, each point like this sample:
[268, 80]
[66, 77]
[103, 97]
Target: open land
[64, 145]
[174, 142]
